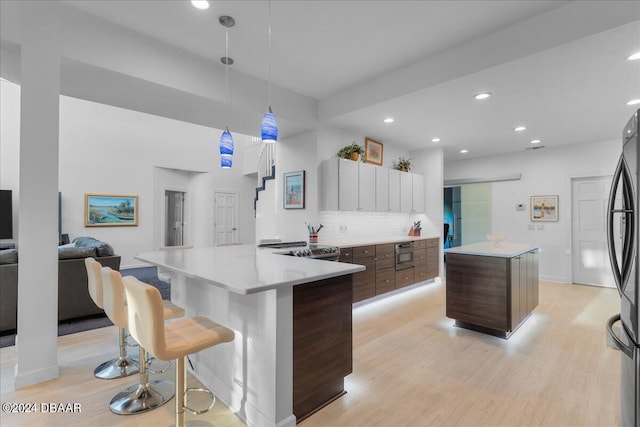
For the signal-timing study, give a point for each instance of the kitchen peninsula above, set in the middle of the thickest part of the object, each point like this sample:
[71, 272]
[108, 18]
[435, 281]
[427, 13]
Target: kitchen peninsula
[292, 319]
[492, 288]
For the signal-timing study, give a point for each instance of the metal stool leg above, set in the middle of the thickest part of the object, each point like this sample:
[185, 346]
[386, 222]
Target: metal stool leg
[144, 396]
[121, 367]
[181, 393]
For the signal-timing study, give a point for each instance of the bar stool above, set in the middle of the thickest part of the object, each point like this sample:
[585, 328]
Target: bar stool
[145, 395]
[123, 366]
[171, 341]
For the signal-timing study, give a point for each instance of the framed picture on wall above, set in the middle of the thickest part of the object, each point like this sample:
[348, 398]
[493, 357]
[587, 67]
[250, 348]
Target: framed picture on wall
[109, 210]
[544, 208]
[293, 184]
[373, 151]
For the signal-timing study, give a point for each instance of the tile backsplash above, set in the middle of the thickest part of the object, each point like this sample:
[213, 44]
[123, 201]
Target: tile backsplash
[366, 224]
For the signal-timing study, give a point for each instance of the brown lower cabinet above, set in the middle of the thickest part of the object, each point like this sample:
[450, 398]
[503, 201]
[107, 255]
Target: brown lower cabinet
[381, 276]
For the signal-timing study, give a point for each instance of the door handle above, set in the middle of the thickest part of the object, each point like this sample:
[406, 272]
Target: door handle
[233, 229]
[615, 340]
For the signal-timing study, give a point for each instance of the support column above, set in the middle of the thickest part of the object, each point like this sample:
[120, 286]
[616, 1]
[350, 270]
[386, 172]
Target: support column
[36, 343]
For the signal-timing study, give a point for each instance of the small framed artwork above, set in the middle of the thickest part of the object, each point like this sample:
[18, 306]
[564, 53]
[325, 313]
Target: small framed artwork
[544, 208]
[294, 190]
[108, 210]
[372, 151]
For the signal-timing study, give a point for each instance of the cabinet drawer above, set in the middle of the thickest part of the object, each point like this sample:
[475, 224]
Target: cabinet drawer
[404, 277]
[433, 243]
[364, 251]
[420, 244]
[420, 273]
[364, 282]
[385, 280]
[385, 258]
[346, 255]
[388, 249]
[419, 257]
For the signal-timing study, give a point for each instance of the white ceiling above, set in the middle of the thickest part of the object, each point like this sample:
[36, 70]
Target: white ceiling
[564, 92]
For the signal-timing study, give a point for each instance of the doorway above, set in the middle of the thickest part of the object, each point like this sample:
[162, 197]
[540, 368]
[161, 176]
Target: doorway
[590, 260]
[174, 218]
[225, 217]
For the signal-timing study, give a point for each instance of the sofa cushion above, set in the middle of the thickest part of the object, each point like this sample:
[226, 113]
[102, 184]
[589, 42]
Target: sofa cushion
[102, 248]
[75, 252]
[8, 256]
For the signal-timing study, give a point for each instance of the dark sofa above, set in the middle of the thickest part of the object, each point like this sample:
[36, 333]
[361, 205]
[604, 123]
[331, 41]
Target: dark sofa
[74, 300]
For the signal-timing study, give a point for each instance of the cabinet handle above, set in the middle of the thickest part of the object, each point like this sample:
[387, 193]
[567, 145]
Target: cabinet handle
[387, 281]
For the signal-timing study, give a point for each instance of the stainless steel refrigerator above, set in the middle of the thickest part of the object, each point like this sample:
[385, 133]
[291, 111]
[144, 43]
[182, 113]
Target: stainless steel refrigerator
[623, 225]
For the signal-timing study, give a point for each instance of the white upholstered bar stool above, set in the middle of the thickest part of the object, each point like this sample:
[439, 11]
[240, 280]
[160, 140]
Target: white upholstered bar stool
[145, 395]
[171, 341]
[122, 366]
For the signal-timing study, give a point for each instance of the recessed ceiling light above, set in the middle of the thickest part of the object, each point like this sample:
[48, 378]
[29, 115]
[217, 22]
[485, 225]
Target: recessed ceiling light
[634, 56]
[389, 120]
[200, 4]
[435, 140]
[483, 95]
[535, 141]
[634, 102]
[520, 128]
[464, 151]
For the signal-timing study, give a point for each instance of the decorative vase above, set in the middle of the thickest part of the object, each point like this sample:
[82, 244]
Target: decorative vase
[354, 156]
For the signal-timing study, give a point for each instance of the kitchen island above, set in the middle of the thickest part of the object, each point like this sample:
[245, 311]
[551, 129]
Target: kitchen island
[291, 317]
[492, 288]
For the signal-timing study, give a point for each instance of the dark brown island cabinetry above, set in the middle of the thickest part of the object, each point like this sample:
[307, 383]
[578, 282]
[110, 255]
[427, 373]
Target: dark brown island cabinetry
[381, 275]
[492, 294]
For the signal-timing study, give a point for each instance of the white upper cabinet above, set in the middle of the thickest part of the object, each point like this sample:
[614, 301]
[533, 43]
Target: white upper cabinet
[366, 186]
[394, 190]
[406, 192]
[417, 189]
[382, 189]
[348, 185]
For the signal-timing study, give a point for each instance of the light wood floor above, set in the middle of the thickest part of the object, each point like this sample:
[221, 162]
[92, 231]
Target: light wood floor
[411, 367]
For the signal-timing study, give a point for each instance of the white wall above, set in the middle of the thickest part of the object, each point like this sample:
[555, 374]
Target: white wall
[105, 149]
[9, 152]
[547, 171]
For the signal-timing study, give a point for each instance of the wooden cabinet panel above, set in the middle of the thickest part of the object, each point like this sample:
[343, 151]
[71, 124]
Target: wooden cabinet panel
[346, 255]
[433, 243]
[363, 252]
[419, 257]
[420, 273]
[364, 282]
[385, 256]
[385, 280]
[420, 244]
[404, 277]
[322, 342]
[433, 262]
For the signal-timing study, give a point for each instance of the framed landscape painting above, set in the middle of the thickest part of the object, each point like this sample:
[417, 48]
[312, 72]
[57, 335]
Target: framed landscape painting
[544, 208]
[373, 151]
[108, 210]
[294, 190]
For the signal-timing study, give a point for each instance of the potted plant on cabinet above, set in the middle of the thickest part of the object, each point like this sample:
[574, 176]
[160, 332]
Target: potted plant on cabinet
[351, 151]
[402, 164]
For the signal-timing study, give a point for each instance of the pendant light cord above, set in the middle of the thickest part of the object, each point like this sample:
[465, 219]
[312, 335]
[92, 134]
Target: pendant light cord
[226, 72]
[269, 59]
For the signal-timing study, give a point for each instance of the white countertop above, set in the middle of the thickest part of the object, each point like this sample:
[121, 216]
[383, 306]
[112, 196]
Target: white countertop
[349, 242]
[245, 269]
[504, 249]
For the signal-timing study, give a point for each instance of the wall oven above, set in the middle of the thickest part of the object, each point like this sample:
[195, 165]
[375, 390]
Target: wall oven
[404, 255]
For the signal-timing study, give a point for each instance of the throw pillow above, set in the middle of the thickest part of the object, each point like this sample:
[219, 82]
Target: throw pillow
[71, 253]
[102, 248]
[8, 256]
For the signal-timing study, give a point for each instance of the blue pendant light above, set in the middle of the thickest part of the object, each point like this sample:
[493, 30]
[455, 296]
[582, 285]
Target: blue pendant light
[269, 126]
[226, 149]
[226, 140]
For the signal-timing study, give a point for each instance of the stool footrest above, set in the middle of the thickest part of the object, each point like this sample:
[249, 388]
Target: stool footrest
[199, 390]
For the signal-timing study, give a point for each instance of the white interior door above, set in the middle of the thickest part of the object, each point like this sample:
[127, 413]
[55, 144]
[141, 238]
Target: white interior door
[590, 259]
[225, 229]
[174, 218]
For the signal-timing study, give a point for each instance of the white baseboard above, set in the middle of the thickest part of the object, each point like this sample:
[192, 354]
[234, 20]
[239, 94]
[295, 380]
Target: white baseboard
[26, 379]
